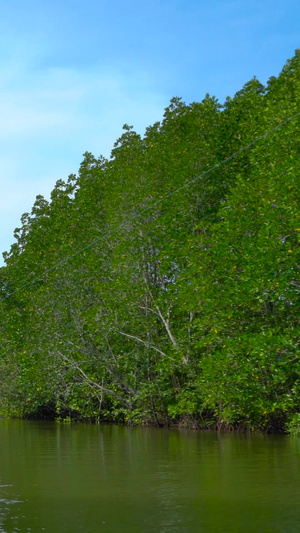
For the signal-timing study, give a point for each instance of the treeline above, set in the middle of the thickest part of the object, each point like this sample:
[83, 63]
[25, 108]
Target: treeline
[161, 286]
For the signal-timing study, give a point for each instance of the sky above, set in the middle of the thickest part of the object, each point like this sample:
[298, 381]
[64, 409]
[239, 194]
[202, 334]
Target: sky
[72, 72]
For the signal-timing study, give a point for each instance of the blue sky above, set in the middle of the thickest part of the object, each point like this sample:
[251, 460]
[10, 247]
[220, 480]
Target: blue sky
[72, 72]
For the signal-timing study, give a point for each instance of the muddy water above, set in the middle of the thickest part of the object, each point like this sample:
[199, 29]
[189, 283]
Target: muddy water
[69, 478]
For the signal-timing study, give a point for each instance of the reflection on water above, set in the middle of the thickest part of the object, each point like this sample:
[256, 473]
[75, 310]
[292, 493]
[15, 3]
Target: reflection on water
[82, 478]
[6, 501]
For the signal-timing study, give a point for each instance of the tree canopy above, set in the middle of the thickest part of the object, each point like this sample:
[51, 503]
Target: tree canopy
[161, 286]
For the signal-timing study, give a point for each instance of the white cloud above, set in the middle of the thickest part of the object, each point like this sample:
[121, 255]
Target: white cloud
[72, 73]
[50, 117]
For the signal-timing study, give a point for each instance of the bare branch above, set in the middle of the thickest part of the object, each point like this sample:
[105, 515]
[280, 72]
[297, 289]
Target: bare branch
[92, 384]
[145, 343]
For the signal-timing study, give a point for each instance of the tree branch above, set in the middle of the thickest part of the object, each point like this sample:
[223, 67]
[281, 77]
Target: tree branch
[145, 343]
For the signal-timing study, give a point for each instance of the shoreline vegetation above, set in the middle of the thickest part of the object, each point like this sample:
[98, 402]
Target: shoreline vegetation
[161, 286]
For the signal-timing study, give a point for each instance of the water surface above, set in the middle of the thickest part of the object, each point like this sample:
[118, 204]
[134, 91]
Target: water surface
[63, 478]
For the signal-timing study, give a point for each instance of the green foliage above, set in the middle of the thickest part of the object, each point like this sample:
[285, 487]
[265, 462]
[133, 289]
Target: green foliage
[293, 426]
[162, 286]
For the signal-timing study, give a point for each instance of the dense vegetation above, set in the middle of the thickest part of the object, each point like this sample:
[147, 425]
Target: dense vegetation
[162, 286]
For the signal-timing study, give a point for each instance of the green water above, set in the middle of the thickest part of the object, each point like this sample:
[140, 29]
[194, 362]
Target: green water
[79, 478]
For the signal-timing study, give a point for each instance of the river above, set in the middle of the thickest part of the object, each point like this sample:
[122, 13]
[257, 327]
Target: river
[71, 478]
